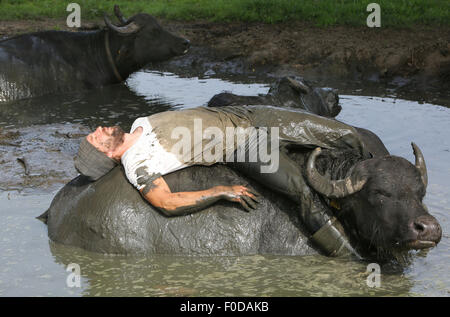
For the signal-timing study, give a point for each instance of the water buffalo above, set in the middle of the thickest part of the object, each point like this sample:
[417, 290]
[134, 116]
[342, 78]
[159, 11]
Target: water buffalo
[378, 200]
[293, 92]
[57, 61]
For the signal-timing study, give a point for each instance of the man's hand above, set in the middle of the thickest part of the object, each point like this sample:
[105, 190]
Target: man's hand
[183, 203]
[241, 194]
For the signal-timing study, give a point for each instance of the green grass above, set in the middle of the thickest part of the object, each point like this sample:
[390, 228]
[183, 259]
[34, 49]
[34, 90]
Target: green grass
[320, 12]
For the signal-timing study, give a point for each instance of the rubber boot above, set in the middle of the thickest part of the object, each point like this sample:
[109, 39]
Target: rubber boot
[328, 234]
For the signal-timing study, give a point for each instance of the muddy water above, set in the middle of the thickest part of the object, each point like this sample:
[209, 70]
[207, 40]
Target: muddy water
[39, 136]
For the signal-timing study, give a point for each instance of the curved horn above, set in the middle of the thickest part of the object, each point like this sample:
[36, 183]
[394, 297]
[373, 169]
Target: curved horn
[298, 85]
[119, 15]
[126, 29]
[420, 163]
[327, 187]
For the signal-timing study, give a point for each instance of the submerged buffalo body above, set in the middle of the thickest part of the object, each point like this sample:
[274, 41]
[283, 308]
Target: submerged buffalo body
[110, 216]
[289, 92]
[378, 201]
[57, 61]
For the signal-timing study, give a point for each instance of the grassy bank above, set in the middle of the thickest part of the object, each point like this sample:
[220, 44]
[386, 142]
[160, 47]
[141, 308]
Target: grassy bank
[394, 13]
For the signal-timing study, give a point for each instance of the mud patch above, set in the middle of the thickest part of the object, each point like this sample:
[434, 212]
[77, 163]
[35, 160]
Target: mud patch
[38, 157]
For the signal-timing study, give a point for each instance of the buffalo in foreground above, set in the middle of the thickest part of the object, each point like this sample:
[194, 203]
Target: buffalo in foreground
[58, 61]
[379, 202]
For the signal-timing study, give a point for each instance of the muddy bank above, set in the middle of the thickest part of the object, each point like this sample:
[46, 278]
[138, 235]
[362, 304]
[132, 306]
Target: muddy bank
[341, 51]
[404, 60]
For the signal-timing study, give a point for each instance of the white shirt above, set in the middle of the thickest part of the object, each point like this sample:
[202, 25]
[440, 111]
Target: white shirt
[147, 160]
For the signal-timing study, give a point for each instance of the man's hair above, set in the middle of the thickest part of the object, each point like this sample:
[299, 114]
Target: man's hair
[92, 163]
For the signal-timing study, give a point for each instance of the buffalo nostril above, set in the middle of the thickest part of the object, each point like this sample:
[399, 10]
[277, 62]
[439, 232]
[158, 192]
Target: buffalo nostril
[427, 228]
[187, 43]
[419, 227]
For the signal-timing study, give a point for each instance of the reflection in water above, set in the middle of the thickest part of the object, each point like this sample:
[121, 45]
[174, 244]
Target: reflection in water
[115, 104]
[256, 275]
[31, 265]
[187, 92]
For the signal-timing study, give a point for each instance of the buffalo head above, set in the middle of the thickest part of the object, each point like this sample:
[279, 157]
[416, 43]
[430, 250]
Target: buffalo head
[296, 92]
[141, 39]
[381, 202]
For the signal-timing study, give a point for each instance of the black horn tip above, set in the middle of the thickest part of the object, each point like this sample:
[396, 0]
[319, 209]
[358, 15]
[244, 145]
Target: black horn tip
[420, 163]
[119, 15]
[416, 150]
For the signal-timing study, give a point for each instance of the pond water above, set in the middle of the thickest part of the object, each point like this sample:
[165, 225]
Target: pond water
[43, 133]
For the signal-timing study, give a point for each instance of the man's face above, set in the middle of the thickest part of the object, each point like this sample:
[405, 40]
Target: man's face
[106, 139]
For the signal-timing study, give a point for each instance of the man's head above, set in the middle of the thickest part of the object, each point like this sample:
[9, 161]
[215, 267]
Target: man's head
[106, 139]
[97, 153]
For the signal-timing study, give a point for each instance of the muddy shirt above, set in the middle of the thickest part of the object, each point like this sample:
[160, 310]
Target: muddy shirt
[173, 140]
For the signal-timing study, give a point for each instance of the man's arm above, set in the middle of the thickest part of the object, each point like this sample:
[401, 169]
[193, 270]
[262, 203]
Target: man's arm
[160, 196]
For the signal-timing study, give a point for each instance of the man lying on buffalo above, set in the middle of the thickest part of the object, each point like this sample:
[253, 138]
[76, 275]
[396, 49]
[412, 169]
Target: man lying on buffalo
[166, 142]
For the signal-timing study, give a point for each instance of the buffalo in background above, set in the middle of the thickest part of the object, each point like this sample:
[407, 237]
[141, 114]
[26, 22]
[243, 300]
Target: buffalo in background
[59, 61]
[288, 92]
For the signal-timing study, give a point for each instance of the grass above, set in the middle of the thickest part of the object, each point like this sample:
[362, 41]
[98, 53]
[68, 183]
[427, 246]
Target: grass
[394, 13]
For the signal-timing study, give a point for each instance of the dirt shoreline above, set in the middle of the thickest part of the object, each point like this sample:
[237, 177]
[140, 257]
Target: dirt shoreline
[416, 59]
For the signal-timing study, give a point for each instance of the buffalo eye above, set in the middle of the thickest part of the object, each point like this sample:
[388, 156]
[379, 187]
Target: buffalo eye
[382, 193]
[377, 197]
